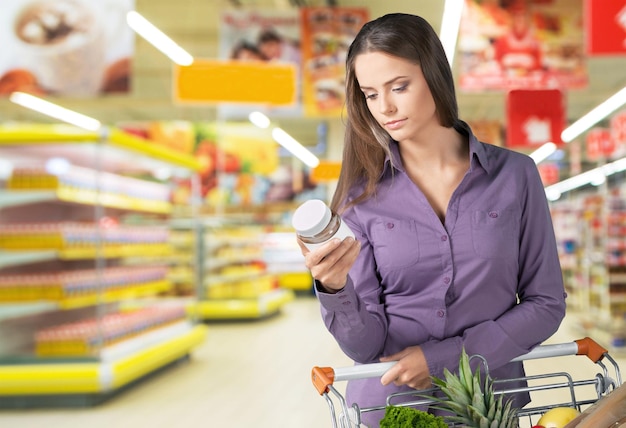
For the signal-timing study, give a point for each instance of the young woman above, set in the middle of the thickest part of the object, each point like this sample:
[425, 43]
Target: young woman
[455, 246]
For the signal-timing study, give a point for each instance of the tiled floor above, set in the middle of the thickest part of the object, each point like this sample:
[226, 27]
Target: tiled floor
[247, 374]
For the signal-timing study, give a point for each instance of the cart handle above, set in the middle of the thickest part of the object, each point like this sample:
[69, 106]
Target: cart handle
[586, 346]
[324, 377]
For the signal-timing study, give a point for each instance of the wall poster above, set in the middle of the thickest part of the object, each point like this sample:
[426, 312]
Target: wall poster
[505, 44]
[261, 36]
[75, 48]
[327, 33]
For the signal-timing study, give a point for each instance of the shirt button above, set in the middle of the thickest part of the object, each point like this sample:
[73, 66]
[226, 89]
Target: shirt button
[444, 238]
[493, 214]
[390, 225]
[440, 313]
[446, 279]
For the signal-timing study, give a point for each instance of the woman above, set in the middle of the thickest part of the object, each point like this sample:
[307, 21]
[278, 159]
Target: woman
[455, 246]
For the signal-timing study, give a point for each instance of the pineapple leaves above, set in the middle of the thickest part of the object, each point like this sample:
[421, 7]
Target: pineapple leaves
[470, 402]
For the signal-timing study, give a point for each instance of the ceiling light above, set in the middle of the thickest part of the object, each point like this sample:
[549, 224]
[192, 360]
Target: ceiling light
[594, 176]
[297, 149]
[56, 111]
[452, 11]
[158, 39]
[594, 116]
[543, 152]
[259, 119]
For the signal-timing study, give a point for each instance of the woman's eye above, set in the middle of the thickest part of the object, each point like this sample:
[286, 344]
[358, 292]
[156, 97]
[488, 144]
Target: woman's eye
[400, 88]
[370, 96]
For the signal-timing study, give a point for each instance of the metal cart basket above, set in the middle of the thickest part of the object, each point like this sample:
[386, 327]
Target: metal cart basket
[578, 394]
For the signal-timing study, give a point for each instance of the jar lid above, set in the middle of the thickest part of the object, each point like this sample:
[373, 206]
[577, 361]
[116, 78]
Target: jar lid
[311, 217]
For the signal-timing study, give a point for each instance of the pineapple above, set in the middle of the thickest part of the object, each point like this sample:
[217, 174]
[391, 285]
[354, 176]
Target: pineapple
[470, 405]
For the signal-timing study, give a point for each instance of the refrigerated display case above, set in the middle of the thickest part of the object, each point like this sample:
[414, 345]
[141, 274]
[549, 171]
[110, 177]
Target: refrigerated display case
[88, 303]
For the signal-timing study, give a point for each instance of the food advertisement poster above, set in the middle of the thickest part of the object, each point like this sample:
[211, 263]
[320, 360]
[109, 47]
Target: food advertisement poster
[73, 48]
[241, 165]
[327, 33]
[507, 44]
[261, 36]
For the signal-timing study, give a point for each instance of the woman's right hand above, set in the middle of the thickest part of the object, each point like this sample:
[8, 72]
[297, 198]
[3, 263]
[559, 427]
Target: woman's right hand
[330, 263]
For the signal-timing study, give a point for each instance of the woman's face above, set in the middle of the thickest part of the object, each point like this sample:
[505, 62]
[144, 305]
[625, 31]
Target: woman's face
[396, 94]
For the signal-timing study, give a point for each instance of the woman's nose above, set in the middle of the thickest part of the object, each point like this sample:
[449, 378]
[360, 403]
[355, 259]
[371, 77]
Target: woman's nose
[386, 106]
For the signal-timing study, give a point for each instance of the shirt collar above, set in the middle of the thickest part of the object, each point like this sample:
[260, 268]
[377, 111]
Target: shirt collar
[477, 151]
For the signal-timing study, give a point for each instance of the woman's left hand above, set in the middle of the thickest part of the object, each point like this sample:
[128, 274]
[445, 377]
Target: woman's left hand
[411, 369]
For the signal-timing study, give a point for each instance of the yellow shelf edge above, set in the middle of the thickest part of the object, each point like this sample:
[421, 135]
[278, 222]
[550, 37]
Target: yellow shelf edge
[127, 141]
[66, 134]
[135, 366]
[83, 378]
[241, 308]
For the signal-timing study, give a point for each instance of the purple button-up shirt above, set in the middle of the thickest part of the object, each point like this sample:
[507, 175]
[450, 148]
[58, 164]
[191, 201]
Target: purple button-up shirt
[488, 279]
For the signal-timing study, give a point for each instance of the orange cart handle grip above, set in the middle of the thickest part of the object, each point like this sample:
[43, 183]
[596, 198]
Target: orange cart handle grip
[591, 349]
[322, 378]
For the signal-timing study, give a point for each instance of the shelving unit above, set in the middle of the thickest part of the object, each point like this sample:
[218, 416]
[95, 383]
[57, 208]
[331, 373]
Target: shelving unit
[236, 283]
[87, 297]
[596, 264]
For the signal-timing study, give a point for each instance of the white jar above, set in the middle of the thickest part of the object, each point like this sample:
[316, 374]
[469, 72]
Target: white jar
[316, 224]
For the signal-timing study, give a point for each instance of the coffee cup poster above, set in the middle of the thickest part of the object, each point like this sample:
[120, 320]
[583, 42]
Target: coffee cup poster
[505, 44]
[73, 48]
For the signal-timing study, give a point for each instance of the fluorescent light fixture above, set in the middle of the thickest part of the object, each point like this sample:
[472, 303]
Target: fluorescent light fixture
[297, 149]
[56, 111]
[594, 177]
[158, 39]
[543, 152]
[452, 12]
[58, 166]
[6, 169]
[259, 119]
[594, 116]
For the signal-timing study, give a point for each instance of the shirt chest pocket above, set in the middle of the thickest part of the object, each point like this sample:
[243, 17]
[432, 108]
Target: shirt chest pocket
[493, 234]
[395, 244]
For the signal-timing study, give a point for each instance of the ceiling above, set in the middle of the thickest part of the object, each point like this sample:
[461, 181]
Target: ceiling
[193, 24]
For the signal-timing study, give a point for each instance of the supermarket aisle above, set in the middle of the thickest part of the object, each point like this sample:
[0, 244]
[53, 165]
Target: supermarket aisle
[247, 374]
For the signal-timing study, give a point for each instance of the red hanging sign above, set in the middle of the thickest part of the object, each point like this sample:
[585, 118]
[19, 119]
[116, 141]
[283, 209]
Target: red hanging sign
[549, 173]
[534, 117]
[605, 22]
[599, 143]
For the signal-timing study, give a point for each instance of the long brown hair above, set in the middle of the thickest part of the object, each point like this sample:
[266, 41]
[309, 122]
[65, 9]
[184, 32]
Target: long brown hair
[366, 143]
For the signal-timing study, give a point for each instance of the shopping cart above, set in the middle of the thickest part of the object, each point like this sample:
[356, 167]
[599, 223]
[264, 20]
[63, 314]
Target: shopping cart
[579, 393]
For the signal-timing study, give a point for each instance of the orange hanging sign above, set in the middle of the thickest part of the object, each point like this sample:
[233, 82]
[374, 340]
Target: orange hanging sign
[212, 81]
[326, 171]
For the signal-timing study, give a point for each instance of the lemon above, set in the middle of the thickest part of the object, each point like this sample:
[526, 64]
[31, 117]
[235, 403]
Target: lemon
[558, 417]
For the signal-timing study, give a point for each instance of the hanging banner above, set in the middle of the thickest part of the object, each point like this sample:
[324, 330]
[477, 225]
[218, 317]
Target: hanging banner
[327, 33]
[262, 37]
[605, 27]
[618, 132]
[75, 48]
[534, 117]
[531, 44]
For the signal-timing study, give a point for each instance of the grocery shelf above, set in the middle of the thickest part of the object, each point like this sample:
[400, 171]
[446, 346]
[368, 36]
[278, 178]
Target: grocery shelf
[13, 258]
[224, 309]
[10, 198]
[105, 376]
[84, 197]
[297, 281]
[43, 134]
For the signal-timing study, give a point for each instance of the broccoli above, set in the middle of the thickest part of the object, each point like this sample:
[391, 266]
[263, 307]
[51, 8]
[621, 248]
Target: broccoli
[407, 417]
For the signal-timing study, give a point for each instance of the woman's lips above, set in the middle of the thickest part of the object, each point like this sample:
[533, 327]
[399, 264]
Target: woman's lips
[394, 124]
